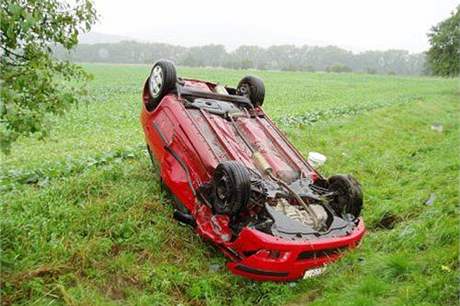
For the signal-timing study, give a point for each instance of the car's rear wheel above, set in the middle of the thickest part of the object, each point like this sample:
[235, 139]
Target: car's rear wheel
[253, 88]
[348, 197]
[231, 188]
[161, 81]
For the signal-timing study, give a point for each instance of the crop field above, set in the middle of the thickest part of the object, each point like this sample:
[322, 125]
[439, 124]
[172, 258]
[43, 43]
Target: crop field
[84, 220]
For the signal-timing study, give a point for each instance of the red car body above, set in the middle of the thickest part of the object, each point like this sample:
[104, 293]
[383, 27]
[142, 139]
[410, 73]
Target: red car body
[189, 143]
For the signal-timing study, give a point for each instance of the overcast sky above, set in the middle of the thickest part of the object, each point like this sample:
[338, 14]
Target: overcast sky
[352, 24]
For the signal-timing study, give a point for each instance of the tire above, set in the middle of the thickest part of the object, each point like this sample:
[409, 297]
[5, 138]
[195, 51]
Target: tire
[253, 88]
[231, 188]
[161, 81]
[348, 198]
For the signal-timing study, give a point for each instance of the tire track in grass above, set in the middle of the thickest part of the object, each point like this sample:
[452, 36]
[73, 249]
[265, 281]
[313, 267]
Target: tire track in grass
[40, 177]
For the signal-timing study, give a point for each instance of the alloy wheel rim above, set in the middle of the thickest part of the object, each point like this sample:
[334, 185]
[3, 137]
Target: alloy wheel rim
[156, 81]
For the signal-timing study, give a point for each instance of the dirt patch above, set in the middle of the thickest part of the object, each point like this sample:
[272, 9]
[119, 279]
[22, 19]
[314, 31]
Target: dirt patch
[305, 299]
[115, 249]
[115, 287]
[47, 273]
[115, 293]
[387, 221]
[43, 271]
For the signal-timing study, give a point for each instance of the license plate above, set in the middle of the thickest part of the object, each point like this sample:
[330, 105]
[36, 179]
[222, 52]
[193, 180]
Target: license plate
[313, 272]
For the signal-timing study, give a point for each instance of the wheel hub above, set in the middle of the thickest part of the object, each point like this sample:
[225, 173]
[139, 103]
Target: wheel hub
[156, 81]
[244, 90]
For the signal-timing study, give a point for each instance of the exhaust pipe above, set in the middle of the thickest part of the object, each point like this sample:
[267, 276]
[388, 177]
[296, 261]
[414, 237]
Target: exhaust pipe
[184, 218]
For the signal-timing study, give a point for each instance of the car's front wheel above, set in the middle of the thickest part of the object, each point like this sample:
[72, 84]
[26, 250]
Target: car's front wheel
[348, 197]
[161, 81]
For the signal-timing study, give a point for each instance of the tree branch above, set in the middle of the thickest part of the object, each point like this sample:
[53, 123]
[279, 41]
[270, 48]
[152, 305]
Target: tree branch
[9, 52]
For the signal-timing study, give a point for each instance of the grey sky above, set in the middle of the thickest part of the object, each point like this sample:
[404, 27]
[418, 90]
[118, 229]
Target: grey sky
[353, 24]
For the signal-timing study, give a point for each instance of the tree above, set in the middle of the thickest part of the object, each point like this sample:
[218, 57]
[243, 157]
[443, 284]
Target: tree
[209, 55]
[250, 57]
[33, 83]
[338, 68]
[281, 57]
[443, 58]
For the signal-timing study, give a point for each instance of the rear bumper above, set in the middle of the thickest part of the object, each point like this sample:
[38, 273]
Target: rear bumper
[266, 258]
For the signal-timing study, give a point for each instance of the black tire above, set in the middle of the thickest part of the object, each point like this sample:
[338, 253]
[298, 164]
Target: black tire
[165, 81]
[348, 198]
[253, 88]
[231, 188]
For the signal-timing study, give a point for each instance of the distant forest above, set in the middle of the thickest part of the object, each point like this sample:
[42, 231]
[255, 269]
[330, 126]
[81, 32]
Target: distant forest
[281, 57]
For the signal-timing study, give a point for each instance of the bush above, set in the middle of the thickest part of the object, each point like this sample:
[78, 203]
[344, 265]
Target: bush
[371, 71]
[338, 68]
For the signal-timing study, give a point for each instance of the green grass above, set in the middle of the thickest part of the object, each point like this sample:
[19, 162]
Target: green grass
[84, 221]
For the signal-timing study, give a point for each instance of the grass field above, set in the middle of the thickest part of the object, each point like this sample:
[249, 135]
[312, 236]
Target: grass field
[84, 222]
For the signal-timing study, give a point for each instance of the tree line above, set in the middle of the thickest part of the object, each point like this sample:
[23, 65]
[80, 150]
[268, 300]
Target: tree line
[280, 57]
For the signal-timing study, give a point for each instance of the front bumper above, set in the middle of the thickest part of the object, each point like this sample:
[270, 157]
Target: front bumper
[267, 258]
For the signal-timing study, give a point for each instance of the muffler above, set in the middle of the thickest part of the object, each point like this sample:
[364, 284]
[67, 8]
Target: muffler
[184, 218]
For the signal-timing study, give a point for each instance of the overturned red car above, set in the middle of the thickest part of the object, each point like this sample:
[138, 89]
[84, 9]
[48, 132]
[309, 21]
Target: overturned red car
[240, 183]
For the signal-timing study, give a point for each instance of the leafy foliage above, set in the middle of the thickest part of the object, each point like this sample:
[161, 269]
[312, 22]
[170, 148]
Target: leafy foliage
[33, 83]
[338, 68]
[444, 54]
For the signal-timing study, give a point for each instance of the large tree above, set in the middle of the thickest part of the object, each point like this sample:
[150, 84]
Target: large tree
[443, 58]
[33, 83]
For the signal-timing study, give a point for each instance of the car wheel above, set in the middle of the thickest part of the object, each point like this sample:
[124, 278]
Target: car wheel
[231, 188]
[253, 88]
[348, 197]
[161, 81]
